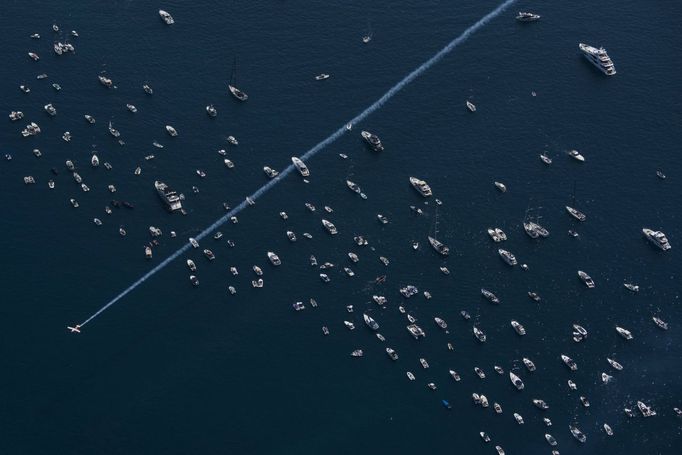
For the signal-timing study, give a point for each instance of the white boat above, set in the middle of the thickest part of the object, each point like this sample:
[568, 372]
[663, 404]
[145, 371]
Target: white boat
[599, 58]
[300, 166]
[527, 17]
[421, 186]
[172, 131]
[274, 259]
[330, 227]
[471, 106]
[589, 282]
[321, 77]
[166, 17]
[576, 155]
[658, 238]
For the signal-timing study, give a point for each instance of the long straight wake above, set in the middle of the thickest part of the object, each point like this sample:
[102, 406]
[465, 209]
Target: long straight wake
[317, 148]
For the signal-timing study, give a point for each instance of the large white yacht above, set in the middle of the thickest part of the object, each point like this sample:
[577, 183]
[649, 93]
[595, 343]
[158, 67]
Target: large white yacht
[658, 238]
[599, 58]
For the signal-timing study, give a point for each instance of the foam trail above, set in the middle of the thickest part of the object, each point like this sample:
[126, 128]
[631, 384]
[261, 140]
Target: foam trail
[313, 151]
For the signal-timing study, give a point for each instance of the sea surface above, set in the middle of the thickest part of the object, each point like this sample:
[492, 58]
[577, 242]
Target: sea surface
[174, 369]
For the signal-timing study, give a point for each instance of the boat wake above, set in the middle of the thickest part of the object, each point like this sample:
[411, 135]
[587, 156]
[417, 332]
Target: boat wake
[378, 104]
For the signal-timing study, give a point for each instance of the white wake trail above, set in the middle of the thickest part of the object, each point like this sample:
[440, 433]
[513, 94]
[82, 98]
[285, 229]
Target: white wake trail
[317, 148]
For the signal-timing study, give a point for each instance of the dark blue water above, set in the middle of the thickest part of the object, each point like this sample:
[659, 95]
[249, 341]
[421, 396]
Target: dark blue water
[172, 369]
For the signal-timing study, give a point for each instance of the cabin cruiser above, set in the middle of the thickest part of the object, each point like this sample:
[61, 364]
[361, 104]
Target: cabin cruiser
[631, 287]
[645, 410]
[575, 213]
[624, 333]
[599, 58]
[471, 106]
[490, 296]
[172, 131]
[658, 238]
[660, 323]
[540, 404]
[479, 334]
[105, 81]
[572, 385]
[167, 18]
[168, 196]
[527, 17]
[529, 364]
[392, 354]
[545, 159]
[193, 242]
[330, 227]
[211, 110]
[271, 173]
[274, 259]
[353, 257]
[518, 327]
[50, 109]
[518, 418]
[586, 279]
[300, 166]
[501, 186]
[576, 155]
[321, 77]
[416, 331]
[372, 140]
[508, 257]
[497, 234]
[421, 186]
[614, 364]
[570, 363]
[534, 230]
[441, 323]
[479, 372]
[579, 435]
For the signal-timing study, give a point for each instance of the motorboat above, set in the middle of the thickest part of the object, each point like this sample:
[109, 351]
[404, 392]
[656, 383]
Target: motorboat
[353, 257]
[172, 131]
[34, 56]
[606, 378]
[631, 287]
[608, 430]
[645, 410]
[211, 110]
[454, 375]
[147, 89]
[131, 108]
[274, 259]
[518, 418]
[579, 435]
[166, 17]
[479, 372]
[572, 385]
[479, 334]
[330, 227]
[440, 323]
[497, 408]
[439, 246]
[550, 439]
[624, 333]
[416, 331]
[300, 166]
[660, 323]
[534, 296]
[501, 187]
[599, 58]
[421, 186]
[50, 109]
[291, 236]
[589, 282]
[570, 363]
[471, 106]
[372, 140]
[575, 213]
[489, 295]
[540, 404]
[484, 436]
[209, 254]
[529, 364]
[576, 155]
[194, 280]
[534, 230]
[585, 402]
[614, 364]
[507, 257]
[371, 323]
[322, 77]
[392, 354]
[518, 327]
[527, 17]
[658, 238]
[497, 235]
[271, 173]
[545, 159]
[105, 81]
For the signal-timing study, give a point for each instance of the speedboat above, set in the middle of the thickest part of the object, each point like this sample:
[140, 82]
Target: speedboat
[658, 238]
[586, 279]
[441, 323]
[550, 439]
[479, 334]
[330, 227]
[34, 56]
[209, 254]
[479, 372]
[372, 140]
[624, 333]
[534, 296]
[454, 375]
[471, 106]
[193, 242]
[484, 436]
[576, 155]
[89, 118]
[570, 363]
[131, 108]
[410, 376]
[321, 77]
[191, 265]
[416, 332]
[501, 186]
[529, 364]
[572, 385]
[392, 354]
[172, 131]
[518, 418]
[579, 435]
